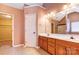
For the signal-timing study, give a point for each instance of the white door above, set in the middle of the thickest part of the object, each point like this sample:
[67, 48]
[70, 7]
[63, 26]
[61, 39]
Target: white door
[30, 30]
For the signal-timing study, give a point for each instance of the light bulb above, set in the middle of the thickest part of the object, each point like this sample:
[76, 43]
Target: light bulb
[65, 7]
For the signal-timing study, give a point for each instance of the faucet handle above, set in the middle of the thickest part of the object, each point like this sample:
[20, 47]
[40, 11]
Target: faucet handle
[71, 37]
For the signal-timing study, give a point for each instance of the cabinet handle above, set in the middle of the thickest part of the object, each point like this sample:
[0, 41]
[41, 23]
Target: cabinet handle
[68, 51]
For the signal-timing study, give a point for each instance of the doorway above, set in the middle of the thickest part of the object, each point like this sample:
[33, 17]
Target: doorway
[30, 30]
[6, 29]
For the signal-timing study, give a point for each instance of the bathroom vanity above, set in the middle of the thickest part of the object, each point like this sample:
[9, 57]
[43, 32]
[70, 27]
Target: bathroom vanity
[61, 36]
[59, 44]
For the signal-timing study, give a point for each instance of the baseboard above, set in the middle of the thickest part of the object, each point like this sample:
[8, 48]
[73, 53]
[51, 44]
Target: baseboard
[19, 45]
[37, 47]
[31, 47]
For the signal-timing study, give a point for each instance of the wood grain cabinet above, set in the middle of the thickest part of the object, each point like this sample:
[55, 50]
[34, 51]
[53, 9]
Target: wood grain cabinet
[40, 42]
[61, 47]
[74, 48]
[68, 51]
[61, 50]
[43, 42]
[58, 46]
[77, 52]
[74, 51]
[51, 46]
[67, 47]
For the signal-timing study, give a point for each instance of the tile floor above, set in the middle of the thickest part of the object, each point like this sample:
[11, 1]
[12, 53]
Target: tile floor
[7, 50]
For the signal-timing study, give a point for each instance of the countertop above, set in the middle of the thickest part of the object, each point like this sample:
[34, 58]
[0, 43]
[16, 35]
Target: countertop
[66, 37]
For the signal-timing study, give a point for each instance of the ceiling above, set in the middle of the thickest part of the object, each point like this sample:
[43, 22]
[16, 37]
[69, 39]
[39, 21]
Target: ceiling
[21, 5]
[55, 7]
[15, 5]
[46, 5]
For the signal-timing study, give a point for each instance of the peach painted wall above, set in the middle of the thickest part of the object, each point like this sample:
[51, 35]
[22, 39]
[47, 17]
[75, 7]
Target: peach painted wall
[18, 22]
[41, 20]
[55, 7]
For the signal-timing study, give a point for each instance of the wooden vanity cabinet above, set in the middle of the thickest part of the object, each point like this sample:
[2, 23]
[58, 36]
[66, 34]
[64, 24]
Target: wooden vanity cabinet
[40, 41]
[67, 48]
[58, 46]
[74, 48]
[51, 46]
[60, 50]
[43, 42]
[63, 47]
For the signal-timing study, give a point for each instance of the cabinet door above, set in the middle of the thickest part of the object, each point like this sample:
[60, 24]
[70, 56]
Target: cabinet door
[77, 50]
[68, 49]
[40, 42]
[45, 44]
[61, 50]
[74, 48]
[74, 51]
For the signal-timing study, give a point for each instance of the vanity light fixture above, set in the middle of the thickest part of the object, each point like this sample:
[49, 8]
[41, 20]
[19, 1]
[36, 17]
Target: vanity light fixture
[52, 14]
[65, 7]
[48, 15]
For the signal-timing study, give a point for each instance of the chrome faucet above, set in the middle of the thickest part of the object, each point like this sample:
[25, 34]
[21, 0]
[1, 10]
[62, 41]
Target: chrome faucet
[71, 37]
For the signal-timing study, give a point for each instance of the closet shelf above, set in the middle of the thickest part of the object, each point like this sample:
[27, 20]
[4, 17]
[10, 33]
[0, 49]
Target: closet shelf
[5, 25]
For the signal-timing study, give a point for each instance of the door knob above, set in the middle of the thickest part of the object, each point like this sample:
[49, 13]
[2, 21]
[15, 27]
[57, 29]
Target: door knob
[33, 32]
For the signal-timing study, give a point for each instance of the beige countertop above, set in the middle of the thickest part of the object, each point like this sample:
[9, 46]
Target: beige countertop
[65, 37]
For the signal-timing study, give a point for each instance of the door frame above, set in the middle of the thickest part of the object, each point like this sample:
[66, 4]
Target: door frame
[12, 15]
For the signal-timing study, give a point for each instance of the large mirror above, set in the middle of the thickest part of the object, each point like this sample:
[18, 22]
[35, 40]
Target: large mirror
[59, 26]
[67, 23]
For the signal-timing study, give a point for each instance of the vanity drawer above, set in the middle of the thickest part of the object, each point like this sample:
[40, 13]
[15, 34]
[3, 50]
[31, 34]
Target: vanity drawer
[51, 44]
[51, 40]
[75, 45]
[42, 37]
[64, 43]
[67, 43]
